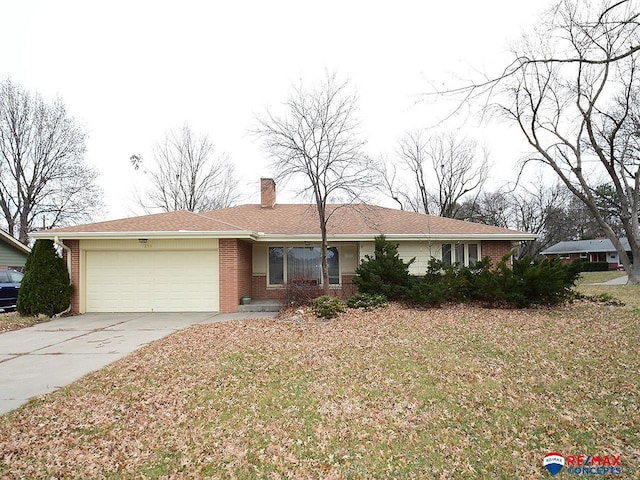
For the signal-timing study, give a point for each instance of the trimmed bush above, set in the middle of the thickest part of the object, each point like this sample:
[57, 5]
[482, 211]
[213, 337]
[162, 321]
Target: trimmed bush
[328, 307]
[367, 301]
[593, 266]
[541, 281]
[45, 288]
[385, 273]
[526, 282]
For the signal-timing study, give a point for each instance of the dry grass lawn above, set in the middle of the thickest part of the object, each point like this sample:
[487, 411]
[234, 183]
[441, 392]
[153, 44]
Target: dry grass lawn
[599, 277]
[457, 392]
[14, 321]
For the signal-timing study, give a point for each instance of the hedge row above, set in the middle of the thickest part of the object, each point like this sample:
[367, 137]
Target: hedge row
[526, 282]
[592, 266]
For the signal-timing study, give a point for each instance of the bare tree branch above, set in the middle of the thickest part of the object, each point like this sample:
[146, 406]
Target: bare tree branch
[43, 174]
[316, 140]
[443, 171]
[573, 91]
[188, 175]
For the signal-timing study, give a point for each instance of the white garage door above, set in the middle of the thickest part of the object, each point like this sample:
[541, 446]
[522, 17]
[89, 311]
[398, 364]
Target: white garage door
[151, 281]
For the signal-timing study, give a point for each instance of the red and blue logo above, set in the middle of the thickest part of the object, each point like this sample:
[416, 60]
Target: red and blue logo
[553, 462]
[583, 464]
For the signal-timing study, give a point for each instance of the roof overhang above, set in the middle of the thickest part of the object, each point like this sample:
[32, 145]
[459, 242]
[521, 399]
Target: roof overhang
[263, 237]
[271, 237]
[14, 242]
[51, 235]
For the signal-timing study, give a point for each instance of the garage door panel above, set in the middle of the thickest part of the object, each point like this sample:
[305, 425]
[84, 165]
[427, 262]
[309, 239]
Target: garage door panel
[143, 281]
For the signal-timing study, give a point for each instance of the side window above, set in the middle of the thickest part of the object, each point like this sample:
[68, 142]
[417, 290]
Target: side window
[446, 253]
[473, 253]
[4, 276]
[460, 259]
[334, 266]
[276, 265]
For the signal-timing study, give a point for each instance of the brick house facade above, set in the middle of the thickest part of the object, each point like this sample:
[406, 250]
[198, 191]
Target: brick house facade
[209, 260]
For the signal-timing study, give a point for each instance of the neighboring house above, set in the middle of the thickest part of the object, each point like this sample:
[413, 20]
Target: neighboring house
[13, 253]
[184, 261]
[598, 250]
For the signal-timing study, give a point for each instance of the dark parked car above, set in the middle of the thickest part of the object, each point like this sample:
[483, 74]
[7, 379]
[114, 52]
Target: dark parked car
[9, 286]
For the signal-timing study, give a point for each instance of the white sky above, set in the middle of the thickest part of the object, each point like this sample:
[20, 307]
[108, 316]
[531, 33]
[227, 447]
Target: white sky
[129, 71]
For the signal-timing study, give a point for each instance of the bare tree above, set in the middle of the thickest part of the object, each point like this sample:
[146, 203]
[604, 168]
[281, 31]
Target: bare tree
[573, 90]
[458, 171]
[412, 151]
[188, 175]
[443, 172]
[43, 175]
[489, 208]
[315, 139]
[541, 209]
[550, 211]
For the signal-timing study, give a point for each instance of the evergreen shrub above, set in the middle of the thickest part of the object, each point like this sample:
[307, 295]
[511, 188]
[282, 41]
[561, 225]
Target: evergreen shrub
[367, 301]
[45, 288]
[384, 273]
[328, 307]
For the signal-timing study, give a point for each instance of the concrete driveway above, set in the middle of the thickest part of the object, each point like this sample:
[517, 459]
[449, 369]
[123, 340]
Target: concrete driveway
[50, 355]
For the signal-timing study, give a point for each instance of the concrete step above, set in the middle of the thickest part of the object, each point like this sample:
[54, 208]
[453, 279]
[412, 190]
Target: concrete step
[258, 305]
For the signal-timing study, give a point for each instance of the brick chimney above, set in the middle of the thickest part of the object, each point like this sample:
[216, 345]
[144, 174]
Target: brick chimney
[267, 192]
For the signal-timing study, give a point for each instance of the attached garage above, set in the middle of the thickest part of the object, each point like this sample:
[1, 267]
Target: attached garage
[150, 275]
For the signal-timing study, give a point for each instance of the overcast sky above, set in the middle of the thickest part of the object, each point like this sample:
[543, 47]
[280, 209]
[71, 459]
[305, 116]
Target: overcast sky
[130, 71]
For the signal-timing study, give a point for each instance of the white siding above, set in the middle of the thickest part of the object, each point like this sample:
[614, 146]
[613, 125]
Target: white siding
[422, 251]
[366, 248]
[348, 258]
[259, 257]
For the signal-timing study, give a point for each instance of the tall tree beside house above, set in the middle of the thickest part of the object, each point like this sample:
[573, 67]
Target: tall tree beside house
[443, 172]
[549, 211]
[43, 173]
[573, 91]
[45, 288]
[315, 139]
[188, 174]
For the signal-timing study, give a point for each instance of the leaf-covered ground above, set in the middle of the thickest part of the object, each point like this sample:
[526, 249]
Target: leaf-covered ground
[14, 321]
[457, 392]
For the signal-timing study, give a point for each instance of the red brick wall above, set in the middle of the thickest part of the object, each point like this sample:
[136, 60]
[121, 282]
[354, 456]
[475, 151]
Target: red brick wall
[495, 250]
[235, 273]
[228, 266]
[259, 288]
[267, 192]
[74, 245]
[245, 265]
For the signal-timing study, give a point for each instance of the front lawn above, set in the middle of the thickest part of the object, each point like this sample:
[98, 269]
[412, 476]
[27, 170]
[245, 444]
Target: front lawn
[599, 277]
[457, 392]
[15, 321]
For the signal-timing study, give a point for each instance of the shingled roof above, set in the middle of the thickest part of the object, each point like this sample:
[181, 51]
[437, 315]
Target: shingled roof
[598, 245]
[292, 220]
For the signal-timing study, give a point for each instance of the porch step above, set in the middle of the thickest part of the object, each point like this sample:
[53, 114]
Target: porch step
[260, 305]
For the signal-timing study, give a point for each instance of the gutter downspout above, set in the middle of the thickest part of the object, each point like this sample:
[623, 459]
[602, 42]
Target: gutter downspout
[57, 241]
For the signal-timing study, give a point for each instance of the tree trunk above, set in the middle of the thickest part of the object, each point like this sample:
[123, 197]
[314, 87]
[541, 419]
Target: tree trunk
[634, 270]
[23, 234]
[325, 267]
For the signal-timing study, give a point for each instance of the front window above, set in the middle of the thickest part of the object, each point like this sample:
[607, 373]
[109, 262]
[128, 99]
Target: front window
[302, 265]
[276, 265]
[446, 254]
[461, 253]
[473, 253]
[460, 256]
